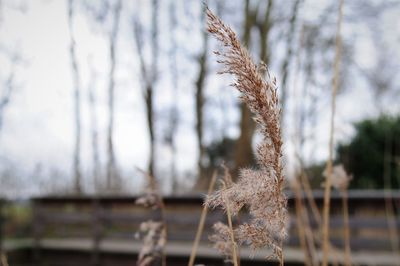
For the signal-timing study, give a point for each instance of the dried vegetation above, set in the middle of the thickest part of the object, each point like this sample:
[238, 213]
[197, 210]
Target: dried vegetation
[260, 190]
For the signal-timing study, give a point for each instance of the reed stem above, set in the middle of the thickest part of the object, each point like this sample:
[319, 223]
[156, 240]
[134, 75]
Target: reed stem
[202, 222]
[328, 183]
[347, 254]
[228, 214]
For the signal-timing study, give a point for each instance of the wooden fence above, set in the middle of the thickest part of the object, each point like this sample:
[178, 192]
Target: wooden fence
[118, 218]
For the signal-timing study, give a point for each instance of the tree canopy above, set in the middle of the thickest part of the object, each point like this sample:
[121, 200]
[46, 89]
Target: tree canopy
[373, 155]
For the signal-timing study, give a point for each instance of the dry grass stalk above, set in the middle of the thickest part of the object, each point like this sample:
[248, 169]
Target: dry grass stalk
[316, 236]
[224, 238]
[391, 220]
[227, 175]
[229, 182]
[4, 261]
[340, 180]
[389, 208]
[304, 180]
[347, 254]
[153, 233]
[305, 184]
[300, 224]
[309, 237]
[301, 182]
[302, 215]
[202, 221]
[260, 190]
[231, 232]
[327, 194]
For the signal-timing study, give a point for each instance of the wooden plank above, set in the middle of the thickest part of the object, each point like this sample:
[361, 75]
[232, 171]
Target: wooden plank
[178, 248]
[119, 217]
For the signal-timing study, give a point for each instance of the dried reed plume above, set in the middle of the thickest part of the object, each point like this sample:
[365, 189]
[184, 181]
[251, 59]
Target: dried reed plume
[260, 190]
[339, 178]
[153, 233]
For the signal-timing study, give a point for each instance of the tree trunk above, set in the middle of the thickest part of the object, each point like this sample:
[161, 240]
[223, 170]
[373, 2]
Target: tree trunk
[150, 124]
[202, 60]
[112, 174]
[150, 85]
[94, 129]
[77, 107]
[264, 28]
[289, 52]
[149, 77]
[173, 119]
[244, 155]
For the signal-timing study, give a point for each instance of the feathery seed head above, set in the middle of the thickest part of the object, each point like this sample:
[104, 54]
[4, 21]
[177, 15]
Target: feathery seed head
[260, 190]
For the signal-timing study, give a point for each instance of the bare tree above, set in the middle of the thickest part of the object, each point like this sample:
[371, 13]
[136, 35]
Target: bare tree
[8, 84]
[244, 155]
[199, 98]
[288, 57]
[317, 51]
[154, 67]
[149, 75]
[77, 100]
[173, 116]
[7, 91]
[264, 27]
[93, 125]
[112, 174]
[382, 76]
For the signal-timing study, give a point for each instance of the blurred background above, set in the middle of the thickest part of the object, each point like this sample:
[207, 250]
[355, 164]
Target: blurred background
[90, 91]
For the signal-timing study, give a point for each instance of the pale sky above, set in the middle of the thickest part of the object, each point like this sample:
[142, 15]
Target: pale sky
[38, 123]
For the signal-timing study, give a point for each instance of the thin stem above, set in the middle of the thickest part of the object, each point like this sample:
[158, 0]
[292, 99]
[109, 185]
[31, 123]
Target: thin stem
[310, 238]
[202, 222]
[317, 216]
[310, 198]
[77, 100]
[160, 205]
[4, 261]
[347, 254]
[389, 209]
[327, 194]
[228, 214]
[164, 231]
[299, 221]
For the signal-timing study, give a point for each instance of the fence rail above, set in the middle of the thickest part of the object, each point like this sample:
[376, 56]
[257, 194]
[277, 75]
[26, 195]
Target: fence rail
[118, 218]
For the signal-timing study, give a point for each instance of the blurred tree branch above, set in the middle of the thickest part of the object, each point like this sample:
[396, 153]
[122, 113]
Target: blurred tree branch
[77, 100]
[149, 74]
